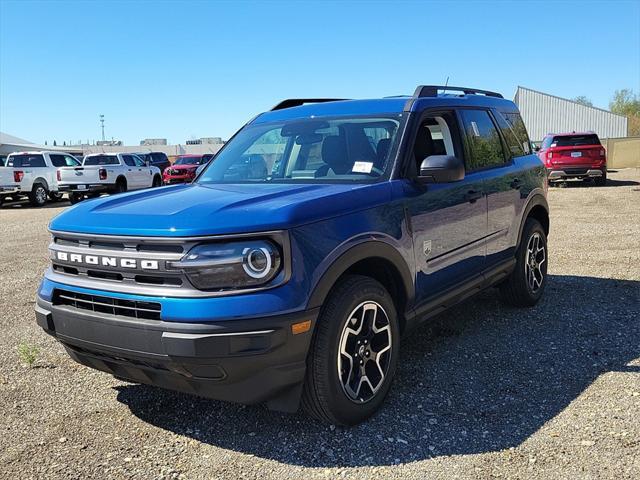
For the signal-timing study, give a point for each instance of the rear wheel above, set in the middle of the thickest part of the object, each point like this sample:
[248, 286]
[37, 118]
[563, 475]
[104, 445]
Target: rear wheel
[75, 197]
[601, 181]
[121, 186]
[55, 196]
[38, 195]
[353, 354]
[525, 285]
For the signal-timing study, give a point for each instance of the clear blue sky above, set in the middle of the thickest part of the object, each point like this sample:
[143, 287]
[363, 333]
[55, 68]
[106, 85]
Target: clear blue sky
[189, 69]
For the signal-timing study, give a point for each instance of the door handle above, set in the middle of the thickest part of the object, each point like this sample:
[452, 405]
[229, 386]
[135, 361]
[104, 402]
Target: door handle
[472, 195]
[515, 184]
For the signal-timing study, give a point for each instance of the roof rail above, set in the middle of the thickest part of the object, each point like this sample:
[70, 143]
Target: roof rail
[432, 91]
[423, 91]
[296, 102]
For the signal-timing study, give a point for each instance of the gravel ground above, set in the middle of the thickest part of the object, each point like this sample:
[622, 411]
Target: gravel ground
[485, 391]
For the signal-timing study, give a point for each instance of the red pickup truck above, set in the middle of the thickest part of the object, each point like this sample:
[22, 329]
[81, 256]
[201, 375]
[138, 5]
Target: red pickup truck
[574, 155]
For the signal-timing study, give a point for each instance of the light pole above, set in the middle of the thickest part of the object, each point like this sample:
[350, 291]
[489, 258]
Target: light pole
[102, 125]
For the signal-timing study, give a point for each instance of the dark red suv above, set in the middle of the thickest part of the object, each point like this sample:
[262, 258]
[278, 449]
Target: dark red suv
[574, 155]
[184, 168]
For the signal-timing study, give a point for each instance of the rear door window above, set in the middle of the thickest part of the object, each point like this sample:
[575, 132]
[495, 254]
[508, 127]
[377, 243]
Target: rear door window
[26, 160]
[485, 146]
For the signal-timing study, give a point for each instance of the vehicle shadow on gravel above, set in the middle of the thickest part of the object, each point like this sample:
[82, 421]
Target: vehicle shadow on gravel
[481, 378]
[584, 184]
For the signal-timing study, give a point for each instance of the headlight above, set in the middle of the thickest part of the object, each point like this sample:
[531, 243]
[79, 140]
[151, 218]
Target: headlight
[220, 266]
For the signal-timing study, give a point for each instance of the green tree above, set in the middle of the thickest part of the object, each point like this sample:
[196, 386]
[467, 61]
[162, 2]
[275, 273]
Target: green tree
[626, 103]
[54, 143]
[582, 100]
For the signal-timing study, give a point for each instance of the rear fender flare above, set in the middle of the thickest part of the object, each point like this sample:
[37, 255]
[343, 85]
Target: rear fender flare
[536, 199]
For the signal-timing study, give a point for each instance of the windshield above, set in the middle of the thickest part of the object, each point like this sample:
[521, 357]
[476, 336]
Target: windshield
[101, 160]
[310, 150]
[188, 161]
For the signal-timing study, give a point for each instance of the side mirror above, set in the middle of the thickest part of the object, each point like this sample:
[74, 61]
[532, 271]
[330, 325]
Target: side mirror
[441, 169]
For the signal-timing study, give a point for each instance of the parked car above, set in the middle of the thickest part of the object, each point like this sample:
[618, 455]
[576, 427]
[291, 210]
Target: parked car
[574, 155]
[9, 187]
[184, 168]
[156, 159]
[289, 270]
[107, 173]
[37, 174]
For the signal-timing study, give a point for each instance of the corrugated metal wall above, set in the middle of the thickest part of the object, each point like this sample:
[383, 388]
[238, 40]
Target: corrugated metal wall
[544, 113]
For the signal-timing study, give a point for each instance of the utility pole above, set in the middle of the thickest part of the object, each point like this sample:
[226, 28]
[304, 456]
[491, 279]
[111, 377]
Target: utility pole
[102, 125]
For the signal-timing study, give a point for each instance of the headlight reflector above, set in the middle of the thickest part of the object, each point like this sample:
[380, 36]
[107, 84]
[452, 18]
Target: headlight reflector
[233, 265]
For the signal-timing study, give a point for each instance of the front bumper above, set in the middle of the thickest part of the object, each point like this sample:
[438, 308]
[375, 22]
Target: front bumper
[245, 361]
[173, 179]
[88, 188]
[562, 173]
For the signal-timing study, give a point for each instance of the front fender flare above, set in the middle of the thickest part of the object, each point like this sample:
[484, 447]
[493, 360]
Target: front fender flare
[356, 253]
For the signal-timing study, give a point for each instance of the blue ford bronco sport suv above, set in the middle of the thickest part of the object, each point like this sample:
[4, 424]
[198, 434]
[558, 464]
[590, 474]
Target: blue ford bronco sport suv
[321, 233]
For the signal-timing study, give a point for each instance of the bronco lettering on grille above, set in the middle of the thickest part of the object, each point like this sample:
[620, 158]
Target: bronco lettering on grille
[107, 261]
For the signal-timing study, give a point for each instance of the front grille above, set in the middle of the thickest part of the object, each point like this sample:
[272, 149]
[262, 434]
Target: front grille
[136, 278]
[107, 305]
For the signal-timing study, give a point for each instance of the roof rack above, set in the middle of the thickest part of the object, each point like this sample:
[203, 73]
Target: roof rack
[432, 91]
[296, 102]
[423, 91]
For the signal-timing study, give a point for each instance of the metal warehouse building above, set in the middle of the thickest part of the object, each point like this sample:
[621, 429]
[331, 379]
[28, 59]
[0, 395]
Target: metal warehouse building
[543, 113]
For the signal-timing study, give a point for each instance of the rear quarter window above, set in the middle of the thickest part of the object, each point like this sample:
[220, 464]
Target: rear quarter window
[519, 130]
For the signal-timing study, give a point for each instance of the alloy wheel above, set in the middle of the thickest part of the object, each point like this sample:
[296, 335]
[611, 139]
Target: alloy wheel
[41, 195]
[364, 352]
[536, 255]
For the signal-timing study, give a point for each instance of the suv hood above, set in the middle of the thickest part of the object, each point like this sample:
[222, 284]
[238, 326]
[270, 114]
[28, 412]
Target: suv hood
[192, 210]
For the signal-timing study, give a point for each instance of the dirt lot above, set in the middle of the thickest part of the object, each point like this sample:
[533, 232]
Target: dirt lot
[487, 391]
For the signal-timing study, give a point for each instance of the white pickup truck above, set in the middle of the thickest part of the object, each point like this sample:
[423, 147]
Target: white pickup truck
[37, 174]
[8, 185]
[107, 173]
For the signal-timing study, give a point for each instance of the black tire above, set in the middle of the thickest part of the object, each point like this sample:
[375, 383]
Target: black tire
[75, 197]
[324, 395]
[55, 196]
[121, 185]
[38, 195]
[157, 181]
[518, 290]
[601, 181]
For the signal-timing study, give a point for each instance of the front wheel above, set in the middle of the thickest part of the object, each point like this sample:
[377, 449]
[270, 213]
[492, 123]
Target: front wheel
[157, 182]
[525, 285]
[353, 354]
